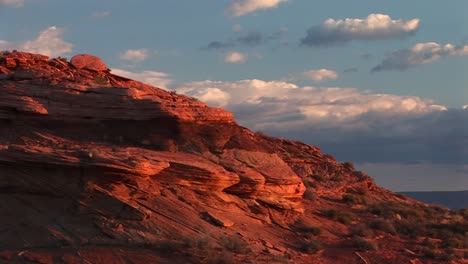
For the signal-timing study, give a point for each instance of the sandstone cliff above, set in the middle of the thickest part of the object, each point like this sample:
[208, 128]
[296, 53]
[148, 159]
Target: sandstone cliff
[97, 168]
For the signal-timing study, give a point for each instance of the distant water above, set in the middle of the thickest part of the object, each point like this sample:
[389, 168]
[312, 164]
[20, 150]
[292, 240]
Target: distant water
[452, 200]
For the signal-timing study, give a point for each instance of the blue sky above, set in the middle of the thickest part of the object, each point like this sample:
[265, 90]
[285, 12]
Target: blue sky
[293, 68]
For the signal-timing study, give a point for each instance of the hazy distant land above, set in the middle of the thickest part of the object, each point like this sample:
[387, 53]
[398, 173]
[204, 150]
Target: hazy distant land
[452, 200]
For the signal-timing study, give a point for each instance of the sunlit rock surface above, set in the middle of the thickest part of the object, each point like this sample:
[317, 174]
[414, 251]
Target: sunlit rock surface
[97, 168]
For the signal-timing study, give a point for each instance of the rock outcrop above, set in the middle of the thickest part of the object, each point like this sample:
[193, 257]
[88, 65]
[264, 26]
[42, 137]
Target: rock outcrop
[88, 62]
[97, 168]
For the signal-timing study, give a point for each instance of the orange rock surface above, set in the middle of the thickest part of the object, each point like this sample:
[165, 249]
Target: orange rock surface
[97, 168]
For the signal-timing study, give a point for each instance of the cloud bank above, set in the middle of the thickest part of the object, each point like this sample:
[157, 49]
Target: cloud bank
[154, 78]
[49, 42]
[373, 27]
[134, 55]
[329, 107]
[421, 53]
[243, 7]
[356, 125]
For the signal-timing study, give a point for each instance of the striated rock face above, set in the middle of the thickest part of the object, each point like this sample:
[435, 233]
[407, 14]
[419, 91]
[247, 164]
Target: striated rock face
[97, 168]
[86, 90]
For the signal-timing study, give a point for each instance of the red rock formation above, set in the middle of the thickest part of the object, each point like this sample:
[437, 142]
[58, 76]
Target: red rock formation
[97, 168]
[88, 62]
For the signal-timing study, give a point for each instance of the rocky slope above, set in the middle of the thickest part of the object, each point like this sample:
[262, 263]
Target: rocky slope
[97, 168]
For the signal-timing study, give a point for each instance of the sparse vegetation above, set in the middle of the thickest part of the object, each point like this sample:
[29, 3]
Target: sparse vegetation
[312, 230]
[100, 80]
[383, 225]
[311, 247]
[361, 230]
[463, 213]
[342, 217]
[429, 253]
[390, 210]
[421, 221]
[362, 244]
[234, 244]
[309, 195]
[336, 178]
[354, 199]
[360, 175]
[318, 177]
[166, 247]
[360, 190]
[223, 258]
[454, 242]
[410, 228]
[428, 243]
[349, 166]
[202, 245]
[401, 196]
[4, 53]
[310, 183]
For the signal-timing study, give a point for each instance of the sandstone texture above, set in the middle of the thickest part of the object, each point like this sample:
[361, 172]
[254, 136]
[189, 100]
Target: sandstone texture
[88, 62]
[97, 168]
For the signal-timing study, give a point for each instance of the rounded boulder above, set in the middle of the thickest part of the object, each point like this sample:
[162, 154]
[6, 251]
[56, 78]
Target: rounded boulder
[89, 62]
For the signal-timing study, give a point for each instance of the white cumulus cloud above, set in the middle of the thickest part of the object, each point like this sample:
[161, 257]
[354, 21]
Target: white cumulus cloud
[373, 27]
[153, 78]
[282, 105]
[243, 7]
[320, 75]
[349, 123]
[12, 3]
[134, 55]
[212, 96]
[421, 53]
[235, 57]
[49, 42]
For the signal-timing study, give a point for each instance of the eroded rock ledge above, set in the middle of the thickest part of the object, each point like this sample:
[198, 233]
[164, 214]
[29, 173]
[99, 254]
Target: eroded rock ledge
[79, 115]
[91, 159]
[85, 88]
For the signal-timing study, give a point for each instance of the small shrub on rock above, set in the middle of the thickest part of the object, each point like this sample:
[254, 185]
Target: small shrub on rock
[318, 177]
[223, 258]
[454, 242]
[311, 247]
[353, 199]
[313, 230]
[361, 230]
[234, 244]
[383, 225]
[342, 217]
[309, 195]
[349, 166]
[337, 178]
[362, 244]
